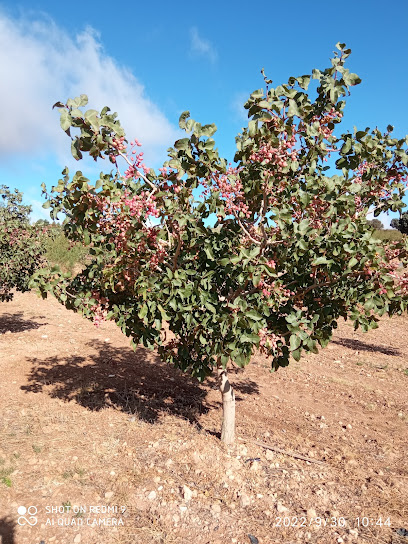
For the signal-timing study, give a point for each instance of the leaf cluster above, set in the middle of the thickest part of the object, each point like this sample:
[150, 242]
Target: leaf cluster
[290, 253]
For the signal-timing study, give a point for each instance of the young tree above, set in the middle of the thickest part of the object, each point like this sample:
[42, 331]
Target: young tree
[401, 224]
[376, 224]
[21, 246]
[394, 223]
[288, 253]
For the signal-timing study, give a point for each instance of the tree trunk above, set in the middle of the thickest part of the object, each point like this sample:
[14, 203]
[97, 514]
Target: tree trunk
[228, 407]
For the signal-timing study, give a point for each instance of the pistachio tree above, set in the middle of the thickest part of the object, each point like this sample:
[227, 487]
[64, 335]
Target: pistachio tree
[208, 261]
[21, 245]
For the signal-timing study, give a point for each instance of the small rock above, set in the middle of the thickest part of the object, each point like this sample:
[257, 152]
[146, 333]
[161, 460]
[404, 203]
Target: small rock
[77, 538]
[46, 336]
[196, 457]
[244, 500]
[311, 513]
[281, 509]
[152, 495]
[216, 508]
[108, 494]
[349, 426]
[243, 450]
[187, 493]
[269, 455]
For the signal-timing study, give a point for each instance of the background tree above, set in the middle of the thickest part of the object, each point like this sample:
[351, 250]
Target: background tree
[42, 223]
[401, 224]
[21, 245]
[274, 251]
[376, 224]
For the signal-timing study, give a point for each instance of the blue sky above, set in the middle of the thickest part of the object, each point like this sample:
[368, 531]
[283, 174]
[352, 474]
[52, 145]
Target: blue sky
[150, 61]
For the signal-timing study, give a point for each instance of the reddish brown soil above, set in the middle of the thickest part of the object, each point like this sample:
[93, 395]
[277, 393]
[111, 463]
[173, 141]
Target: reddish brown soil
[85, 421]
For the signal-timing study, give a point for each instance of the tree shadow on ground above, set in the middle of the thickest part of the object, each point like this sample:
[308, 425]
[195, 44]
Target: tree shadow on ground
[17, 323]
[357, 345]
[134, 382]
[7, 531]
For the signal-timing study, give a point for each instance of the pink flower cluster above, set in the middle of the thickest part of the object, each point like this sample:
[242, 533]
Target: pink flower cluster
[230, 188]
[268, 342]
[332, 116]
[119, 144]
[140, 206]
[278, 156]
[100, 309]
[276, 289]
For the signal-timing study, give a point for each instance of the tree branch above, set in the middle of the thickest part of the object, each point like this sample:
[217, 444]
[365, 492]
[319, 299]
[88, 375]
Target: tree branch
[178, 249]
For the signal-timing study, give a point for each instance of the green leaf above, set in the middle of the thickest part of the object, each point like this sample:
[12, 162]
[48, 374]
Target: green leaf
[182, 144]
[252, 128]
[76, 153]
[248, 337]
[296, 354]
[295, 342]
[183, 118]
[253, 314]
[143, 311]
[304, 82]
[83, 100]
[320, 260]
[256, 278]
[65, 120]
[293, 109]
[209, 252]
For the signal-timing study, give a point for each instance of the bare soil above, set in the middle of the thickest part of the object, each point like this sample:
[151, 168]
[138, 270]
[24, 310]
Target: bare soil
[87, 424]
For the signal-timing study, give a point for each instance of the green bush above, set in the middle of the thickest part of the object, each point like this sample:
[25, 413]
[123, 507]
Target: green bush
[389, 234]
[60, 251]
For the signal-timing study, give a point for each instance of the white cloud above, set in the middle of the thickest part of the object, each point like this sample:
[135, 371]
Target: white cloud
[41, 63]
[237, 107]
[202, 47]
[37, 211]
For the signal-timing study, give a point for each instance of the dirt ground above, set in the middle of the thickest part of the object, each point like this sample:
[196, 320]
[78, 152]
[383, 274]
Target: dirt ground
[100, 444]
